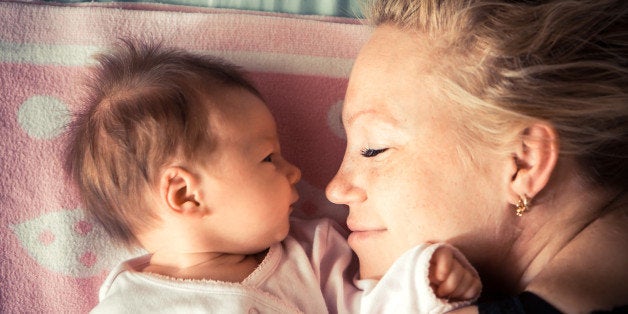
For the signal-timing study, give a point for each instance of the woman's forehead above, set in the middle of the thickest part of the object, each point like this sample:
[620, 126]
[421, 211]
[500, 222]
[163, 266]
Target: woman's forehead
[393, 80]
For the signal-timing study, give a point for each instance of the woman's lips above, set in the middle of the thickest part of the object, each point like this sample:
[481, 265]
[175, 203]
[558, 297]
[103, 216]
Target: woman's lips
[360, 240]
[362, 230]
[355, 226]
[359, 234]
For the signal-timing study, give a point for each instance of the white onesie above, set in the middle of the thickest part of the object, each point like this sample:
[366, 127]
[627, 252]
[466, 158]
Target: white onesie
[312, 271]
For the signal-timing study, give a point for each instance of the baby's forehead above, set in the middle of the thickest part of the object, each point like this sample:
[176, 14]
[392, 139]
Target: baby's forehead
[236, 139]
[239, 114]
[227, 99]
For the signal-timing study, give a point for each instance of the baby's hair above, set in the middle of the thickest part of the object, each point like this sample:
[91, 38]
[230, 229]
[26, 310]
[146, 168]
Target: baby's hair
[146, 104]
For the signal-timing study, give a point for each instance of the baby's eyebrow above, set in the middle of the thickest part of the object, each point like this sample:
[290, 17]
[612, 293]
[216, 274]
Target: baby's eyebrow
[259, 143]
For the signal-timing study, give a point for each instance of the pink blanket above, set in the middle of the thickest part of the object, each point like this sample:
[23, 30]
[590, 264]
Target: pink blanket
[53, 258]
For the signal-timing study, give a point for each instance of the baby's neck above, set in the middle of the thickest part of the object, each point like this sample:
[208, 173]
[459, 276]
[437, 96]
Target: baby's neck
[205, 265]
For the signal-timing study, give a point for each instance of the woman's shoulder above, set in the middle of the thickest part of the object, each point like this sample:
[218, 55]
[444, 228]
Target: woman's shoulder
[528, 302]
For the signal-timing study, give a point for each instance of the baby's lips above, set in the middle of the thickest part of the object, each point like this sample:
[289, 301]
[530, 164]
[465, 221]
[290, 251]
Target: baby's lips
[295, 198]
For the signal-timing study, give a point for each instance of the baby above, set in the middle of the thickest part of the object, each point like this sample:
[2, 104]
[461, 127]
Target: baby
[178, 154]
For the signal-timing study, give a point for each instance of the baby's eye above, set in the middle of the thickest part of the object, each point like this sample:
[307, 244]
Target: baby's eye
[369, 152]
[268, 158]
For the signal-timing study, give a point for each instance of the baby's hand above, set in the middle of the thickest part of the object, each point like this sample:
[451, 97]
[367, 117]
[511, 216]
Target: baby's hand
[450, 279]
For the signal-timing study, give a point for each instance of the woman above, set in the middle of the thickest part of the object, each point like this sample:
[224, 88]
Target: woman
[501, 128]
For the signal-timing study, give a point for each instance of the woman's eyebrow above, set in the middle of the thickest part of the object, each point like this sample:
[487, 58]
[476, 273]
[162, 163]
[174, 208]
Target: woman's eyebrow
[381, 116]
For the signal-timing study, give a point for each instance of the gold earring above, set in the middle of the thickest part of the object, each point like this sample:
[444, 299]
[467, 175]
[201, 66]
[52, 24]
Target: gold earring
[522, 205]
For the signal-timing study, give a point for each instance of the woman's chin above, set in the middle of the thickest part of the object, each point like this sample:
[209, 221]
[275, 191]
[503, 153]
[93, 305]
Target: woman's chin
[373, 261]
[371, 271]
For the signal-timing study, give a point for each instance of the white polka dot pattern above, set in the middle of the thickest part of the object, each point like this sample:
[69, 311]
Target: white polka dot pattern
[43, 117]
[68, 243]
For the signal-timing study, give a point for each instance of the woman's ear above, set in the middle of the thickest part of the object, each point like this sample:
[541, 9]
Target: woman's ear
[534, 160]
[178, 190]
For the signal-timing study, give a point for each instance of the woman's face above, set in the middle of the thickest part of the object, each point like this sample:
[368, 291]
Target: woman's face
[402, 175]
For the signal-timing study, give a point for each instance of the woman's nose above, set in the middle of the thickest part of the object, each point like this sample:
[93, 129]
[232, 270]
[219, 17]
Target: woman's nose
[340, 190]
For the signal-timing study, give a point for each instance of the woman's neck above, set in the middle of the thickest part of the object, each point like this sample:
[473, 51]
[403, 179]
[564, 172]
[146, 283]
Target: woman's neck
[589, 272]
[558, 215]
[568, 220]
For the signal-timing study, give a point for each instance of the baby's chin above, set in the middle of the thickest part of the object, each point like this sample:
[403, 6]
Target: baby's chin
[265, 241]
[283, 231]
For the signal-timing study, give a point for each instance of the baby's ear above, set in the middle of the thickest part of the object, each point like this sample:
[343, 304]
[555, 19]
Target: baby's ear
[178, 190]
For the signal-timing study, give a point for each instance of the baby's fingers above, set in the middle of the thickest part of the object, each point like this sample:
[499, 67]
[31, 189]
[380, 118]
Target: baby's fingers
[440, 265]
[447, 287]
[469, 287]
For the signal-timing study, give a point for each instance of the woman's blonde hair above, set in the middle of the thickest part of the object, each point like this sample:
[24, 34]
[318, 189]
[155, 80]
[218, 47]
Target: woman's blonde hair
[145, 105]
[508, 63]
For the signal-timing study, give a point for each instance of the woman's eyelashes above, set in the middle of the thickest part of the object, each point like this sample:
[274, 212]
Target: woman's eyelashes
[370, 152]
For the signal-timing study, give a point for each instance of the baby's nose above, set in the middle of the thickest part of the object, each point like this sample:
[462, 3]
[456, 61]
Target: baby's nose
[294, 173]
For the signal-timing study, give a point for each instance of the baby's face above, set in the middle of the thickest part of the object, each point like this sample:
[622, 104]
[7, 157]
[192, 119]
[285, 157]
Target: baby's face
[250, 186]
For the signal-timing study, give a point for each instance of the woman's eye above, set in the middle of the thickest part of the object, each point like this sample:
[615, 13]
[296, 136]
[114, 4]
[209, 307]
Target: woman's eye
[369, 152]
[268, 158]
